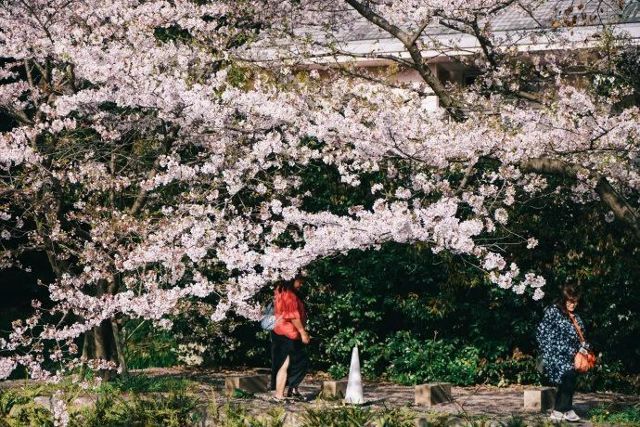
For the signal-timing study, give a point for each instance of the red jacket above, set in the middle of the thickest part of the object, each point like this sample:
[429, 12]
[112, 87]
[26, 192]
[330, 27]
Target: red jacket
[288, 306]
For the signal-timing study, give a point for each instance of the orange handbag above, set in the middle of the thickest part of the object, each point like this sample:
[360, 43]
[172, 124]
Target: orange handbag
[583, 360]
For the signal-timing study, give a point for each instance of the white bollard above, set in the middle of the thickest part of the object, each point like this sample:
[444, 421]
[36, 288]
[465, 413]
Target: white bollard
[354, 385]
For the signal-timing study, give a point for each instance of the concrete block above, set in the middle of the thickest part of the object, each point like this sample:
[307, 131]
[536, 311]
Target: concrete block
[334, 388]
[539, 399]
[432, 394]
[248, 383]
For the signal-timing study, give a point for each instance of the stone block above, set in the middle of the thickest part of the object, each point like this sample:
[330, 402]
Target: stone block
[336, 389]
[82, 402]
[539, 399]
[247, 383]
[45, 401]
[432, 394]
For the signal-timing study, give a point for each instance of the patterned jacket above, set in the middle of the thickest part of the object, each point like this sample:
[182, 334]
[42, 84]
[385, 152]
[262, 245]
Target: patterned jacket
[558, 342]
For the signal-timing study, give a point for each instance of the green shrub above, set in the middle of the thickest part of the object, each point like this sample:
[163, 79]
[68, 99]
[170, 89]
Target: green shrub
[31, 415]
[24, 412]
[609, 376]
[112, 409]
[413, 361]
[512, 370]
[147, 346]
[338, 349]
[514, 421]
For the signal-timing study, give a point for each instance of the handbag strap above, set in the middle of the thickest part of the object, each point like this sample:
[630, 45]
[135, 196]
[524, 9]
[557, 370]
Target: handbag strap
[578, 330]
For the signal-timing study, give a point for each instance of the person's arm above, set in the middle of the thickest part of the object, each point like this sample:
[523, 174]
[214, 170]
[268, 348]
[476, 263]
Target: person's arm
[300, 327]
[548, 333]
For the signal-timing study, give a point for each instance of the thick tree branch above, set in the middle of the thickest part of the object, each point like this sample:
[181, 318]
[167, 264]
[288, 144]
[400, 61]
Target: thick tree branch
[618, 205]
[141, 198]
[418, 33]
[485, 43]
[371, 16]
[550, 166]
[27, 70]
[622, 210]
[18, 115]
[488, 50]
[452, 105]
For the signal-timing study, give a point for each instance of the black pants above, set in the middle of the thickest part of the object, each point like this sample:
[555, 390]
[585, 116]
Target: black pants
[566, 388]
[281, 347]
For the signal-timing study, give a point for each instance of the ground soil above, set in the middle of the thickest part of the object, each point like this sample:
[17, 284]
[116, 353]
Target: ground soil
[495, 403]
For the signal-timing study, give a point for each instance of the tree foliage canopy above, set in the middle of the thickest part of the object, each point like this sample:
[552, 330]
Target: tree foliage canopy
[162, 151]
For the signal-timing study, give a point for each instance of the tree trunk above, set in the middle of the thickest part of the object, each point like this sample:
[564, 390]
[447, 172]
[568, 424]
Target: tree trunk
[119, 348]
[105, 342]
[87, 338]
[104, 347]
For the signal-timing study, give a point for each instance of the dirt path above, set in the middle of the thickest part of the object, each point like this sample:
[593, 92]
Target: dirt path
[495, 403]
[488, 403]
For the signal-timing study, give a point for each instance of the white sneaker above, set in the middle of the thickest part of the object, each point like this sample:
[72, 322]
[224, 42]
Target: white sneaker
[556, 416]
[571, 416]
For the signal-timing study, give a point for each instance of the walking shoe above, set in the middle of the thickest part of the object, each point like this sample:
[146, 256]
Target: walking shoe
[279, 400]
[295, 394]
[556, 416]
[571, 416]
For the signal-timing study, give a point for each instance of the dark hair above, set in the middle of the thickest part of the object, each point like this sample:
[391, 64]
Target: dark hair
[568, 293]
[287, 285]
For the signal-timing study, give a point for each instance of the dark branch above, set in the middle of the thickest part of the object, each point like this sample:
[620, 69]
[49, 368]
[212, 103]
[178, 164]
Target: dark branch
[622, 210]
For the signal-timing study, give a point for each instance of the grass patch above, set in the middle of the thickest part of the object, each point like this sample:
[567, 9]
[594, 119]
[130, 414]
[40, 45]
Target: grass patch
[111, 409]
[147, 384]
[9, 399]
[241, 394]
[130, 384]
[616, 415]
[234, 415]
[174, 410]
[357, 416]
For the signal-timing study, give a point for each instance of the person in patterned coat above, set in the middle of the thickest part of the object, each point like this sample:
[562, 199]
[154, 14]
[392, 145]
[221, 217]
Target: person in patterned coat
[558, 344]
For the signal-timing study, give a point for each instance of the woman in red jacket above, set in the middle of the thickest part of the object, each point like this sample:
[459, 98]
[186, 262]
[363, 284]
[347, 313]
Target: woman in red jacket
[289, 360]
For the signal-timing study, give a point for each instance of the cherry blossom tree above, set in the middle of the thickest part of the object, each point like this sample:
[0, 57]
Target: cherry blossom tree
[158, 149]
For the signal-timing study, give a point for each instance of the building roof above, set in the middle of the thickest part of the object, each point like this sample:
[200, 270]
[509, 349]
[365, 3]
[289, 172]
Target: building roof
[539, 17]
[576, 21]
